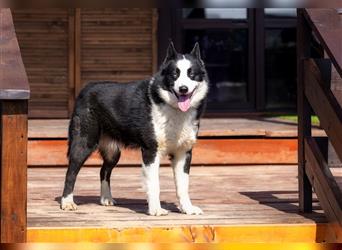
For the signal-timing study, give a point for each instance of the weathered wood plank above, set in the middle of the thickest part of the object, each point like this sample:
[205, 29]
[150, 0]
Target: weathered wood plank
[78, 84]
[13, 171]
[238, 195]
[210, 127]
[13, 79]
[206, 151]
[269, 233]
[325, 186]
[117, 44]
[324, 104]
[71, 60]
[327, 25]
[44, 42]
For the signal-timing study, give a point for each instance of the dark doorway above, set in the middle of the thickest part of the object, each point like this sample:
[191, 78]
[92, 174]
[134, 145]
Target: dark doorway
[250, 55]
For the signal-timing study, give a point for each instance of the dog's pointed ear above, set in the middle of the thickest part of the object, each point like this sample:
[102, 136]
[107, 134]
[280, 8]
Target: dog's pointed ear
[196, 51]
[171, 53]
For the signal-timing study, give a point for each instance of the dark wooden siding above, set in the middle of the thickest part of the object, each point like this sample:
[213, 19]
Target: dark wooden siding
[63, 49]
[43, 40]
[116, 44]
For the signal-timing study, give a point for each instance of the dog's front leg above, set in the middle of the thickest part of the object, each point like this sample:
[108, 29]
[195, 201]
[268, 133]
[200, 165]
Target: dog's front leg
[151, 162]
[181, 167]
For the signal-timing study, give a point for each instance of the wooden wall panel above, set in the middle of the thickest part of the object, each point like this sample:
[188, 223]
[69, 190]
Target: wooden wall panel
[63, 49]
[117, 44]
[43, 40]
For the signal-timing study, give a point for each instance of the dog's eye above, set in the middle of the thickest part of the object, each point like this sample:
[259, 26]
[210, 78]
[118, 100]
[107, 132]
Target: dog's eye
[191, 74]
[175, 75]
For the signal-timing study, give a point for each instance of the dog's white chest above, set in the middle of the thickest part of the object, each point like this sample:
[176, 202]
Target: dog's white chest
[174, 130]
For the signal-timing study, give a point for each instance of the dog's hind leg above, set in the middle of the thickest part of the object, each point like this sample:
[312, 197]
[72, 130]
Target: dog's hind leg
[110, 153]
[80, 148]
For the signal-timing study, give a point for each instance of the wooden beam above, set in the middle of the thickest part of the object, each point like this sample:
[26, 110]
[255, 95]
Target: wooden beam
[221, 151]
[324, 104]
[13, 78]
[327, 25]
[14, 93]
[13, 171]
[266, 233]
[304, 115]
[326, 188]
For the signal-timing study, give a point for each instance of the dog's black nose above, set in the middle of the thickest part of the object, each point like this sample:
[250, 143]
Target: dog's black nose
[183, 89]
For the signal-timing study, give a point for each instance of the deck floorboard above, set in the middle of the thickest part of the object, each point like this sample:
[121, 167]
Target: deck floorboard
[234, 127]
[234, 195]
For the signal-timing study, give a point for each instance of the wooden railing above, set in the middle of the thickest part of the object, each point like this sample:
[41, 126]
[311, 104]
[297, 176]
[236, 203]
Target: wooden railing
[14, 94]
[314, 94]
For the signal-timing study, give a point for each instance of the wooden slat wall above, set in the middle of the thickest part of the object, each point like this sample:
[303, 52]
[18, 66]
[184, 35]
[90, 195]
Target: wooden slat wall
[43, 39]
[117, 44]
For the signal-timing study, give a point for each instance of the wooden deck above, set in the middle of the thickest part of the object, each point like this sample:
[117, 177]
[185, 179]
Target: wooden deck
[229, 141]
[231, 197]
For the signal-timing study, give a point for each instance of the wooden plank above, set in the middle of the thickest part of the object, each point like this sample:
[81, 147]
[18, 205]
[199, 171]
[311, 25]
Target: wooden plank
[324, 104]
[71, 62]
[210, 127]
[44, 42]
[13, 78]
[304, 115]
[268, 233]
[78, 47]
[328, 191]
[154, 40]
[117, 44]
[327, 25]
[13, 171]
[240, 196]
[206, 151]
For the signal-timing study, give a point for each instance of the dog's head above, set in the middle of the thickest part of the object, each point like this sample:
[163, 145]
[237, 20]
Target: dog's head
[184, 80]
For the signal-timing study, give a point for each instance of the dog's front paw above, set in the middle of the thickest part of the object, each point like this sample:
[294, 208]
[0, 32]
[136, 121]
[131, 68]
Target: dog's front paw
[191, 210]
[107, 201]
[158, 211]
[68, 206]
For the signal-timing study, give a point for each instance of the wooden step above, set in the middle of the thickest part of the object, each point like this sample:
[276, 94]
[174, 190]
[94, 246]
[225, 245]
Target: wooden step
[210, 127]
[221, 142]
[206, 152]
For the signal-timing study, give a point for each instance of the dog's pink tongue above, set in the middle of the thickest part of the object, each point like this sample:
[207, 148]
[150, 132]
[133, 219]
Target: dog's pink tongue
[184, 102]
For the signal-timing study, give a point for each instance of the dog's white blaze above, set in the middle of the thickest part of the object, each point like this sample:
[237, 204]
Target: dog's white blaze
[183, 80]
[182, 184]
[174, 130]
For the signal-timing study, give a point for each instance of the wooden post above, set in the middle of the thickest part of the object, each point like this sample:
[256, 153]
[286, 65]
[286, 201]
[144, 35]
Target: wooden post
[14, 94]
[13, 171]
[304, 116]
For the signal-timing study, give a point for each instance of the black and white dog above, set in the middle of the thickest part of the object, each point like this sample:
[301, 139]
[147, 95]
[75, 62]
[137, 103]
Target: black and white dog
[160, 116]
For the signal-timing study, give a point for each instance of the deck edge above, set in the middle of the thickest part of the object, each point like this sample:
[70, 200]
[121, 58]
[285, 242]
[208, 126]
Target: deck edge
[265, 233]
